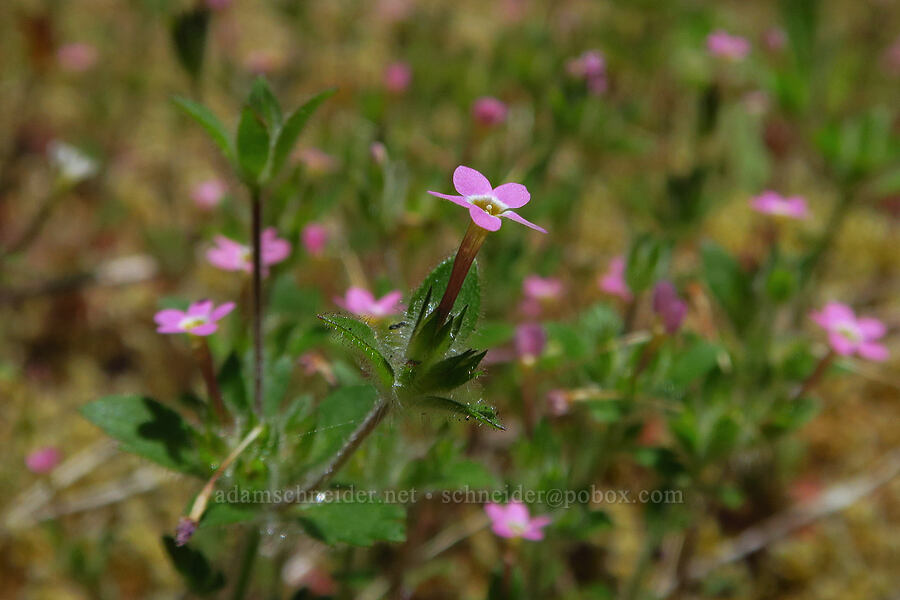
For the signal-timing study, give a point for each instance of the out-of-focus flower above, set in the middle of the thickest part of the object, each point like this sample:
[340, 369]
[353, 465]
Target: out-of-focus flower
[542, 288]
[489, 111]
[184, 530]
[487, 204]
[848, 334]
[669, 306]
[397, 77]
[313, 362]
[773, 203]
[361, 302]
[77, 56]
[230, 255]
[613, 281]
[208, 194]
[531, 338]
[514, 521]
[317, 162]
[590, 66]
[558, 402]
[775, 39]
[378, 152]
[314, 237]
[724, 45]
[201, 318]
[263, 62]
[43, 460]
[73, 164]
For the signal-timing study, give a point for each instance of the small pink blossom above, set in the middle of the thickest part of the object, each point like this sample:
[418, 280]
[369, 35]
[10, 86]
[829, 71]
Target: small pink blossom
[489, 111]
[208, 194]
[773, 203]
[378, 152]
[514, 521]
[613, 281]
[722, 44]
[542, 288]
[43, 460]
[775, 39]
[558, 402]
[317, 161]
[848, 334]
[314, 237]
[397, 77]
[230, 255]
[590, 66]
[530, 340]
[361, 302]
[77, 57]
[263, 62]
[201, 318]
[487, 204]
[670, 308]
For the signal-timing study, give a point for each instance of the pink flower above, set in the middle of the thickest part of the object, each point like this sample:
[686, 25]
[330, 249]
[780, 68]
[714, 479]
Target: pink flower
[378, 152]
[513, 521]
[486, 204]
[397, 77]
[773, 203]
[848, 334]
[531, 338]
[722, 44]
[590, 66]
[314, 237]
[232, 256]
[488, 110]
[542, 288]
[208, 194]
[669, 306]
[613, 281]
[77, 57]
[558, 402]
[43, 460]
[262, 62]
[316, 161]
[362, 303]
[200, 318]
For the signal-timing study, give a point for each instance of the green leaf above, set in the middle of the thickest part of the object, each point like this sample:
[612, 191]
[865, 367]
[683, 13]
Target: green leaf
[701, 358]
[450, 372]
[210, 122]
[648, 259]
[278, 378]
[355, 523]
[232, 385]
[444, 468]
[264, 103]
[147, 428]
[252, 145]
[469, 295]
[361, 336]
[294, 125]
[801, 22]
[339, 414]
[480, 413]
[189, 39]
[728, 283]
[194, 567]
[226, 513]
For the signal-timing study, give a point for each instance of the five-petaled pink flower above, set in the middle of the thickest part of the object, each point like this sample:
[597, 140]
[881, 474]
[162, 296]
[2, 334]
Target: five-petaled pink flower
[773, 203]
[725, 45]
[513, 521]
[542, 288]
[848, 334]
[613, 281]
[43, 460]
[314, 237]
[361, 302]
[233, 256]
[486, 204]
[488, 110]
[208, 194]
[201, 318]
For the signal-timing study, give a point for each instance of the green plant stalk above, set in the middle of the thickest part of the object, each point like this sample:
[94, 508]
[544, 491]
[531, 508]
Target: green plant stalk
[468, 249]
[256, 201]
[251, 550]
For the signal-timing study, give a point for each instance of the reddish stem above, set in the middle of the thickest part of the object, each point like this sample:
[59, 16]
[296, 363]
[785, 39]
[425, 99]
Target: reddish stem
[468, 249]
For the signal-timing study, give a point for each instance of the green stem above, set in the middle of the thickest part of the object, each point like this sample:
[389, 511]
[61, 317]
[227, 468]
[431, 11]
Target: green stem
[256, 201]
[251, 549]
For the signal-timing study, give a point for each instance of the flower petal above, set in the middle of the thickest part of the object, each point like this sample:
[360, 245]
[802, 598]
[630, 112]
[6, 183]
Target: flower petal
[517, 512]
[470, 182]
[454, 199]
[835, 313]
[495, 512]
[170, 328]
[168, 316]
[200, 308]
[388, 303]
[514, 195]
[205, 329]
[871, 329]
[840, 344]
[514, 216]
[873, 351]
[483, 219]
[221, 311]
[359, 300]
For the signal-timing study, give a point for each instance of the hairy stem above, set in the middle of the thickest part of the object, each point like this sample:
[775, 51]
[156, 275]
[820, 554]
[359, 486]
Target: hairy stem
[256, 200]
[468, 249]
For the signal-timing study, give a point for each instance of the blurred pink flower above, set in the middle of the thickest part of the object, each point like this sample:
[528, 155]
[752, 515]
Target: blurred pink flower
[316, 161]
[775, 38]
[361, 302]
[208, 194]
[773, 203]
[397, 77]
[43, 460]
[233, 256]
[613, 281]
[542, 288]
[77, 56]
[263, 62]
[590, 66]
[669, 306]
[200, 318]
[558, 402]
[314, 237]
[722, 44]
[513, 521]
[848, 334]
[531, 338]
[486, 204]
[488, 110]
[378, 152]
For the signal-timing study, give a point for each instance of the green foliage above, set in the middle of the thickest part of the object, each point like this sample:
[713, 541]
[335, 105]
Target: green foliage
[189, 38]
[728, 283]
[252, 145]
[354, 523]
[648, 259]
[430, 291]
[339, 414]
[210, 123]
[361, 337]
[287, 137]
[195, 568]
[481, 414]
[145, 427]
